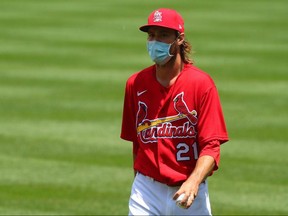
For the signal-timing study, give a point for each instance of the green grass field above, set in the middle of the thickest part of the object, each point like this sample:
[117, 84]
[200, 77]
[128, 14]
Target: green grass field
[63, 67]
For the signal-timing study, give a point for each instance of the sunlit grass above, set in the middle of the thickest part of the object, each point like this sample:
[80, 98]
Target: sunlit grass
[63, 68]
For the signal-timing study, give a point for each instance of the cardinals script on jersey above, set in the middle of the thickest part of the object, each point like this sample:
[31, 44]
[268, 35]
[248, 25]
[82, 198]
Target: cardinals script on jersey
[152, 130]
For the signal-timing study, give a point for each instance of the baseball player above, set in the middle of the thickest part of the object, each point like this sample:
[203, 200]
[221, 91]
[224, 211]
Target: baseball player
[173, 116]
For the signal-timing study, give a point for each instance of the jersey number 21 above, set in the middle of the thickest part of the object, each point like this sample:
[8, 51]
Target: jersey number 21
[183, 153]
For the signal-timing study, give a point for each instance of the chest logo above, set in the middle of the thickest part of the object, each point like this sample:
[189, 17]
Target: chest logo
[139, 93]
[167, 127]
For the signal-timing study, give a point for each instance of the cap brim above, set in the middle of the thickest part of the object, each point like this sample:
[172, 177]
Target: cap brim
[145, 28]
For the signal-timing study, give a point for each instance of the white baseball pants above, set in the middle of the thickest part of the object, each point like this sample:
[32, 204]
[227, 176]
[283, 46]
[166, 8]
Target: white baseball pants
[149, 197]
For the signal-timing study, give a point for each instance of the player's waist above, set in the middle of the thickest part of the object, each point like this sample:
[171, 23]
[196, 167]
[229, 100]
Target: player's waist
[171, 184]
[162, 181]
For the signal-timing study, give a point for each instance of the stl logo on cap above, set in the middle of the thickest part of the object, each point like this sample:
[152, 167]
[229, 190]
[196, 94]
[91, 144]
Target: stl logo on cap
[157, 16]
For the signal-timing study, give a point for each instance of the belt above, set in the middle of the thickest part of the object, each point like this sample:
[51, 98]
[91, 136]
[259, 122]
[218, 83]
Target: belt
[153, 180]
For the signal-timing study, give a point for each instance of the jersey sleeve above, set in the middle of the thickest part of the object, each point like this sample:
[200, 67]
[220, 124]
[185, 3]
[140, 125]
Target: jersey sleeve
[212, 148]
[211, 124]
[128, 130]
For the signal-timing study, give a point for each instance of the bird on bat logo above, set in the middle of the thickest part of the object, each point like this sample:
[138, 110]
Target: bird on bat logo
[182, 109]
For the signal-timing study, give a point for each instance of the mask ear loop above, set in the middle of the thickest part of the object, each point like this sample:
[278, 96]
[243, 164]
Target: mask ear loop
[177, 36]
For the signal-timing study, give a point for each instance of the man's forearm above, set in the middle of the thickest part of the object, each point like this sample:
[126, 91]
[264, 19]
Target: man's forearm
[204, 167]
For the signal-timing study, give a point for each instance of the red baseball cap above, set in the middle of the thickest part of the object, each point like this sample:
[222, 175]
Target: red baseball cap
[165, 17]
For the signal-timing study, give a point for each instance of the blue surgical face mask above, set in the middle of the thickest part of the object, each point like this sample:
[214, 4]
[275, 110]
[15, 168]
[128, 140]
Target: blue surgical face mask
[159, 51]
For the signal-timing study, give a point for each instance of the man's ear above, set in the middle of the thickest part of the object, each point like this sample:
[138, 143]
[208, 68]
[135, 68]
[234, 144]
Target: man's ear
[180, 39]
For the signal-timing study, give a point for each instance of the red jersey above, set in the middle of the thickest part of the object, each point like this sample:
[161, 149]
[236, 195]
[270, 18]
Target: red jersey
[171, 127]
